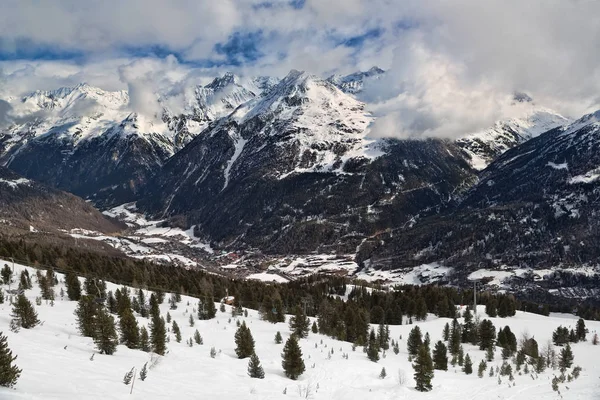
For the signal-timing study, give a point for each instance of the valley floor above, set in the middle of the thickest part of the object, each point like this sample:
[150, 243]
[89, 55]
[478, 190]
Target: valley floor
[56, 362]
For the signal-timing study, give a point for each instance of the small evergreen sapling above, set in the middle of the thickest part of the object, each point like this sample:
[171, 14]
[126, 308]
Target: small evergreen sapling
[197, 338]
[278, 338]
[481, 369]
[128, 376]
[144, 340]
[23, 314]
[144, 372]
[383, 373]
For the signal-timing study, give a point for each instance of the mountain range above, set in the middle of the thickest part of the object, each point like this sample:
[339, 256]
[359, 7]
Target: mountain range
[287, 166]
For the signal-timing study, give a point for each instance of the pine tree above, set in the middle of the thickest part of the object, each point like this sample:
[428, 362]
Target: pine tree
[299, 323]
[440, 356]
[143, 305]
[461, 356]
[105, 334]
[9, 373]
[468, 365]
[383, 373]
[487, 334]
[6, 274]
[206, 308]
[315, 329]
[278, 338]
[414, 341]
[373, 347]
[481, 369]
[244, 341]
[130, 333]
[446, 332]
[144, 340]
[540, 365]
[292, 363]
[86, 312]
[198, 338]
[565, 359]
[491, 308]
[73, 286]
[581, 330]
[455, 337]
[23, 314]
[191, 321]
[144, 372]
[128, 377]
[158, 334]
[468, 327]
[111, 303]
[176, 332]
[255, 370]
[423, 367]
[595, 339]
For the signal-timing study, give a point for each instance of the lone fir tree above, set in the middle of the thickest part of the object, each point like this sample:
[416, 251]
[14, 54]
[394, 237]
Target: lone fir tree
[86, 312]
[414, 342]
[144, 340]
[158, 334]
[468, 365]
[130, 333]
[423, 367]
[105, 335]
[440, 356]
[176, 332]
[244, 342]
[23, 314]
[299, 323]
[565, 359]
[73, 286]
[255, 370]
[9, 373]
[278, 338]
[293, 364]
[144, 372]
[373, 347]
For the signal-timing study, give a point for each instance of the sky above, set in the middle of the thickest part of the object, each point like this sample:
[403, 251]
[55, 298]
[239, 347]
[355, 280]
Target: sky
[452, 66]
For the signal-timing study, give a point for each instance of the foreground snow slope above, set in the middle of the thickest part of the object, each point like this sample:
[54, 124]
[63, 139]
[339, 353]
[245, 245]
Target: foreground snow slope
[56, 362]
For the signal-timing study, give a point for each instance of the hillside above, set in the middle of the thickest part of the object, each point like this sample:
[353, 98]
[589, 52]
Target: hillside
[54, 353]
[27, 206]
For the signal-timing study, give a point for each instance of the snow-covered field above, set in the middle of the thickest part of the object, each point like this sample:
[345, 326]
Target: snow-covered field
[56, 362]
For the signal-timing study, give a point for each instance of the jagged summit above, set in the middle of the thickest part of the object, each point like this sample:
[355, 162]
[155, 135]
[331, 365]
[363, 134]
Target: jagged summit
[354, 82]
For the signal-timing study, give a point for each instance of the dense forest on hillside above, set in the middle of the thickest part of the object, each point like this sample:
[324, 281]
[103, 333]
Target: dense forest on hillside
[320, 295]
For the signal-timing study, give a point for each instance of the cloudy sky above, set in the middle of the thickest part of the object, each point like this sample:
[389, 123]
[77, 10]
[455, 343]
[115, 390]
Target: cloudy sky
[452, 65]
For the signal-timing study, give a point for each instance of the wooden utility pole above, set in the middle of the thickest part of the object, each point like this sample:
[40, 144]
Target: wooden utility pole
[132, 381]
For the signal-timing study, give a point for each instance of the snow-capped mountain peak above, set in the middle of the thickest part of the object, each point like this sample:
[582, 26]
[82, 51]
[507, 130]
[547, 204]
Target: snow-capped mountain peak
[487, 145]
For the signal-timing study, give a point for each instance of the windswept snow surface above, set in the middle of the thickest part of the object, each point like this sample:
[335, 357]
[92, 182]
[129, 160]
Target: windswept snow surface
[56, 362]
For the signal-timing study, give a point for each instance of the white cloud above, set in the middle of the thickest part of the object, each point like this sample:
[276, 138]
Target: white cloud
[452, 66]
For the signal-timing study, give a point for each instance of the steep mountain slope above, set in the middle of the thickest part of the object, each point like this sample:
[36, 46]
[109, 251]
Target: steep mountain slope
[485, 146]
[89, 142]
[536, 207]
[26, 205]
[295, 171]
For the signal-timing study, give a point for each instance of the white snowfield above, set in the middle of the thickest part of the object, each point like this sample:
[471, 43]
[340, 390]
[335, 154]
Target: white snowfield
[56, 362]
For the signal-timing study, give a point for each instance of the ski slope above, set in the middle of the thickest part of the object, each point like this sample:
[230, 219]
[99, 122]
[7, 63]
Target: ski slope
[56, 362]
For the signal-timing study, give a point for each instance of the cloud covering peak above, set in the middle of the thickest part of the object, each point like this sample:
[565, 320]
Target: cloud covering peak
[451, 67]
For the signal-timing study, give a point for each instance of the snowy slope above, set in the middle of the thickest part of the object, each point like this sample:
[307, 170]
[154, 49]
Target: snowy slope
[56, 363]
[485, 146]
